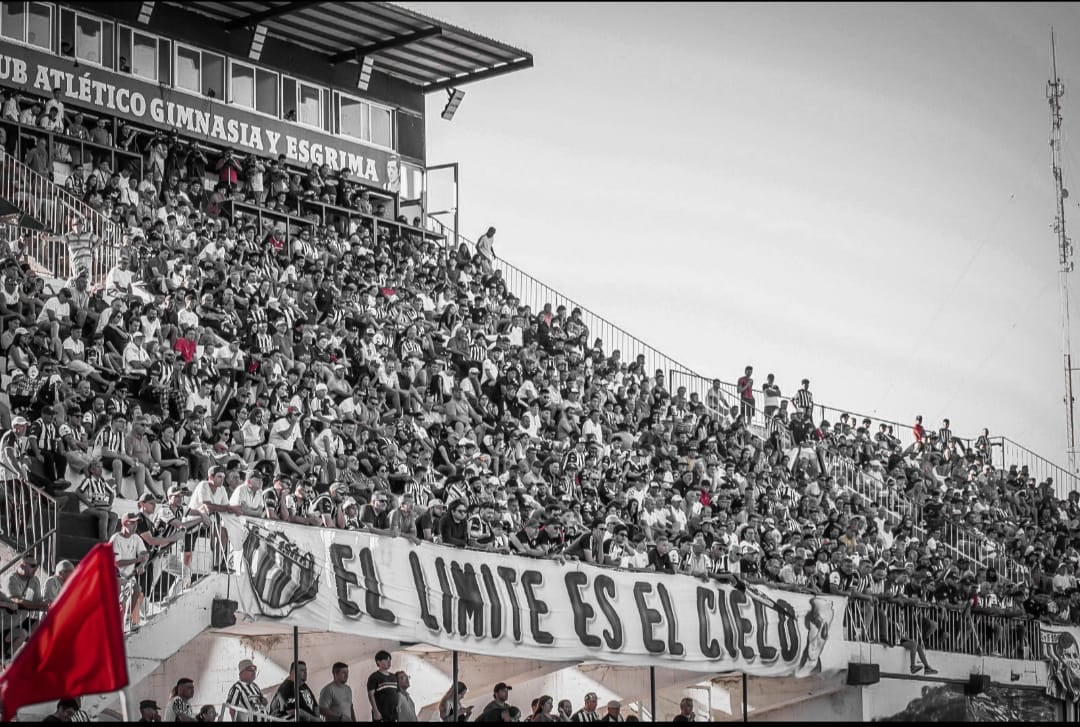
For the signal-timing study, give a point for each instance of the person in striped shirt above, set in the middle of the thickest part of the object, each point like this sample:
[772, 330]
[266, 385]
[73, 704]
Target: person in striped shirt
[245, 699]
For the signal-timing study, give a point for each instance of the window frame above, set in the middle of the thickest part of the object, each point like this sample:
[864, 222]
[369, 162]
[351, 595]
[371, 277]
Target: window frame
[371, 105]
[175, 80]
[79, 15]
[122, 28]
[254, 84]
[23, 38]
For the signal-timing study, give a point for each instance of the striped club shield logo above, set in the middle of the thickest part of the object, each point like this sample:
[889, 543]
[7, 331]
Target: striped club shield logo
[282, 578]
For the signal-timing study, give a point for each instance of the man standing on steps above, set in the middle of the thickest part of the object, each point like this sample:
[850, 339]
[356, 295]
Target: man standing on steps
[804, 400]
[772, 396]
[485, 246]
[745, 385]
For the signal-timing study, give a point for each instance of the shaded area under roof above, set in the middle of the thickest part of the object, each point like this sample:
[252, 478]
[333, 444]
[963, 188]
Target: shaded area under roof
[423, 51]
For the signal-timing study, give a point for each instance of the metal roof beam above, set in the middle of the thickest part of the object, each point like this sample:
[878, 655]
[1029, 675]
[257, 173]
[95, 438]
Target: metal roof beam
[395, 42]
[274, 11]
[518, 65]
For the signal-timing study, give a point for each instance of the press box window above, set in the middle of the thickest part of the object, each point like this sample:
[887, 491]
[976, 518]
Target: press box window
[200, 72]
[29, 23]
[253, 88]
[363, 121]
[139, 54]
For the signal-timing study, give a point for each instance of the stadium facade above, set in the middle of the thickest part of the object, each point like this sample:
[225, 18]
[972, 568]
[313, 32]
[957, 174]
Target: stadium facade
[344, 85]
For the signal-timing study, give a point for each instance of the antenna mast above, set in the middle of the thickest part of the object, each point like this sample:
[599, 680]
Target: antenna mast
[1055, 90]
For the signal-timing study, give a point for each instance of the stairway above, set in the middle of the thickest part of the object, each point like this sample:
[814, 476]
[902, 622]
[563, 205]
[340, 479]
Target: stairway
[55, 209]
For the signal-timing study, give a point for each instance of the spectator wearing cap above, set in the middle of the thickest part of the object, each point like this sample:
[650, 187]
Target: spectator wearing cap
[428, 521]
[149, 711]
[500, 695]
[209, 499]
[24, 591]
[245, 699]
[614, 712]
[131, 558]
[588, 711]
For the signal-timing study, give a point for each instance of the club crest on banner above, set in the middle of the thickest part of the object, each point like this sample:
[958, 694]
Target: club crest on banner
[282, 577]
[1062, 653]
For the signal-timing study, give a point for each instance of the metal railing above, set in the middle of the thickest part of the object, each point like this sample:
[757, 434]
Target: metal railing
[953, 629]
[28, 521]
[966, 542]
[535, 294]
[50, 204]
[170, 573]
[319, 213]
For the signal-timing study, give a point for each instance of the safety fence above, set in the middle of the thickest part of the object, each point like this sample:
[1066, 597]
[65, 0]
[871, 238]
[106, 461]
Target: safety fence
[28, 517]
[172, 571]
[312, 214]
[936, 627]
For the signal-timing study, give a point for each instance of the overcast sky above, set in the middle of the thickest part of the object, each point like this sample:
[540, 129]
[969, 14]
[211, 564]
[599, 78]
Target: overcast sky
[857, 194]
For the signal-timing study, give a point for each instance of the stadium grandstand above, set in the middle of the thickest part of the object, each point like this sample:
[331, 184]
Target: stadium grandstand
[231, 327]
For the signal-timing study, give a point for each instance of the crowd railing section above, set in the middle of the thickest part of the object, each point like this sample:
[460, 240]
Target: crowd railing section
[956, 629]
[68, 149]
[171, 574]
[28, 518]
[536, 294]
[322, 214]
[1013, 453]
[966, 542]
[51, 204]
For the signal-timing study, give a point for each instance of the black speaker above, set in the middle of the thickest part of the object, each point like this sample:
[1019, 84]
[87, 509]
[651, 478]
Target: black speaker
[861, 675]
[977, 684]
[223, 613]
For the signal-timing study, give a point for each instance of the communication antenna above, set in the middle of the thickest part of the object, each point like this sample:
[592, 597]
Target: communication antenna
[1055, 91]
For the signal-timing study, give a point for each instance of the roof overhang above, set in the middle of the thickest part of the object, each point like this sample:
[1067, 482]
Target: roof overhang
[422, 51]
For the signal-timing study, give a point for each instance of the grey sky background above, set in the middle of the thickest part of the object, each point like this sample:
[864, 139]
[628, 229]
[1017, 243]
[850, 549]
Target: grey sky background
[857, 194]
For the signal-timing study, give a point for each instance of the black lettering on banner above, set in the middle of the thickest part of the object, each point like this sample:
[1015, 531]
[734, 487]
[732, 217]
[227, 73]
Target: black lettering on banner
[674, 647]
[344, 578]
[604, 586]
[743, 626]
[470, 602]
[583, 612]
[729, 625]
[509, 577]
[789, 631]
[706, 605]
[374, 589]
[493, 601]
[766, 653]
[447, 596]
[421, 591]
[537, 608]
[649, 617]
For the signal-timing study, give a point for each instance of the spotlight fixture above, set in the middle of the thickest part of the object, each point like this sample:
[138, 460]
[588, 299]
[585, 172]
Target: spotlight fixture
[452, 103]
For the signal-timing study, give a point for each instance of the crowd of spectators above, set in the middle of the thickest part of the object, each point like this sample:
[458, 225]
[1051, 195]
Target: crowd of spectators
[369, 377]
[388, 699]
[139, 175]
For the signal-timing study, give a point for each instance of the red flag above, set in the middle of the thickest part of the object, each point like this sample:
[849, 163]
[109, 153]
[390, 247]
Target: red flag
[78, 648]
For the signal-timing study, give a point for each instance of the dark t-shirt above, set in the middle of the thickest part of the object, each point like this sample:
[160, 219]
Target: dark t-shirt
[384, 684]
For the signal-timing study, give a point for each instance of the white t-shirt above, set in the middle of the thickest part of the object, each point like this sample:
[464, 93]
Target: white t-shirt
[127, 548]
[60, 310]
[248, 499]
[204, 493]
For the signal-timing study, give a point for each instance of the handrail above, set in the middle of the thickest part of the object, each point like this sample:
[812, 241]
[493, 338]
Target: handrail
[28, 520]
[949, 628]
[50, 203]
[174, 573]
[57, 209]
[291, 220]
[535, 294]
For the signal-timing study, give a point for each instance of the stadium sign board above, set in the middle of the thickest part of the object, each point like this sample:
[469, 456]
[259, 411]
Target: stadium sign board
[165, 108]
[502, 605]
[1060, 647]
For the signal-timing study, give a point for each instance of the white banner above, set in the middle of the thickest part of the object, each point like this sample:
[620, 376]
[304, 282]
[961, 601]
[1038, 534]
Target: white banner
[504, 605]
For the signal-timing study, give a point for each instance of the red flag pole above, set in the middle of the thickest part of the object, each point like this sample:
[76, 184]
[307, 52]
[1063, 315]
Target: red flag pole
[78, 647]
